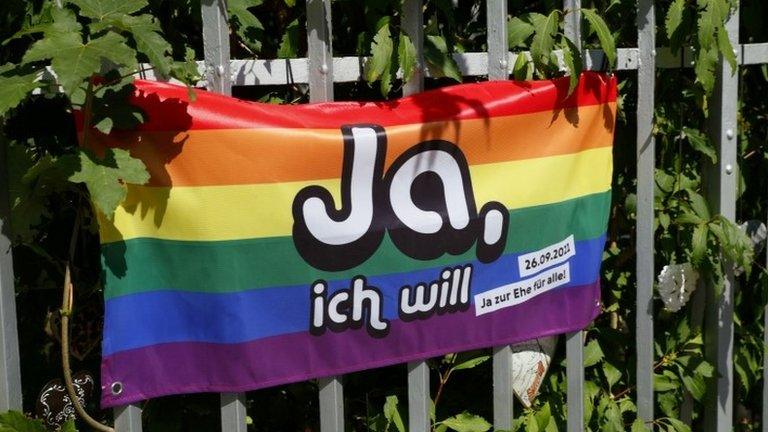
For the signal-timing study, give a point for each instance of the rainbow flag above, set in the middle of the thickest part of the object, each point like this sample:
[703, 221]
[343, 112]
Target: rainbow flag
[276, 244]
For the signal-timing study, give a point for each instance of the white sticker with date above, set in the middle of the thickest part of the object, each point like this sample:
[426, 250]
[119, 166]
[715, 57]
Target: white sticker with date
[558, 253]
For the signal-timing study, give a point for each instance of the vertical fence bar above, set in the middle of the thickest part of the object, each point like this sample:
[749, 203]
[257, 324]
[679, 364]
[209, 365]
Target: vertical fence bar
[331, 404]
[320, 54]
[498, 47]
[574, 348]
[418, 372]
[233, 412]
[574, 344]
[216, 45]
[10, 371]
[418, 397]
[217, 56]
[721, 187]
[320, 50]
[413, 26]
[646, 162]
[128, 418]
[498, 69]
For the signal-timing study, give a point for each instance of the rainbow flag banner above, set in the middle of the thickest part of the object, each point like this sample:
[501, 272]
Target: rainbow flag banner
[275, 244]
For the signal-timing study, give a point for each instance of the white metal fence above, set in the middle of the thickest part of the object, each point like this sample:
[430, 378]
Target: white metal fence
[321, 70]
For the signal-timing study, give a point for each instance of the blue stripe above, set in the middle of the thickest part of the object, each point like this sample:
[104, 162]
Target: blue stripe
[150, 318]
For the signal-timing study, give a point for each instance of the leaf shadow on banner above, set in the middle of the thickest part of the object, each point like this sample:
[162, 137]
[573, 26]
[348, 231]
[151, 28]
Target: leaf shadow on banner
[450, 107]
[156, 148]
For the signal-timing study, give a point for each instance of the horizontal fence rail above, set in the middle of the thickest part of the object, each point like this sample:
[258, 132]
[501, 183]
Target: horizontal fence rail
[260, 72]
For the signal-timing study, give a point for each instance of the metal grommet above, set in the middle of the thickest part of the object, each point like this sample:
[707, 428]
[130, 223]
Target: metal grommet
[116, 388]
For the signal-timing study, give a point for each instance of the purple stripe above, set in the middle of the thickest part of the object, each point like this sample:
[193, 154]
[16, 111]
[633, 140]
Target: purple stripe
[191, 367]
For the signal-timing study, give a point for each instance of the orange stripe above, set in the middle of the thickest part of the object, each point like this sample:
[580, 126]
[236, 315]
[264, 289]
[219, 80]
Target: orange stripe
[251, 156]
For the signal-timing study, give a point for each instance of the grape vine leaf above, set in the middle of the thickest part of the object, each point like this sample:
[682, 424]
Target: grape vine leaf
[15, 86]
[106, 178]
[74, 61]
[105, 9]
[15, 421]
[147, 34]
[62, 21]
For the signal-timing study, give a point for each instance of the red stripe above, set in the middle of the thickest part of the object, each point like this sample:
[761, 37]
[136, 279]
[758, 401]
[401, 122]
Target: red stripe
[168, 109]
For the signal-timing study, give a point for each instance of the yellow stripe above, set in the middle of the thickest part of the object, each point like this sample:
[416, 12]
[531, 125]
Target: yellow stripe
[211, 213]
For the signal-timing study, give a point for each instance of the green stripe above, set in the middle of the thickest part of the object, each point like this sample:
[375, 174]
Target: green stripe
[145, 264]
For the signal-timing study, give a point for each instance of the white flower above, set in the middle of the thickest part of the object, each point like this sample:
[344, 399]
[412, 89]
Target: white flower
[676, 283]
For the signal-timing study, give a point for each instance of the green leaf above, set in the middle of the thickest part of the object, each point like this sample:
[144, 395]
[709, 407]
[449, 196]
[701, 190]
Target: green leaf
[701, 143]
[705, 369]
[68, 426]
[519, 29]
[603, 35]
[699, 205]
[146, 32]
[289, 44]
[593, 354]
[665, 382]
[111, 109]
[381, 54]
[669, 403]
[544, 39]
[573, 63]
[639, 426]
[726, 49]
[74, 61]
[612, 374]
[15, 86]
[466, 422]
[106, 178]
[674, 19]
[392, 414]
[521, 70]
[699, 243]
[695, 385]
[406, 56]
[14, 421]
[290, 3]
[612, 420]
[439, 59]
[31, 182]
[471, 362]
[63, 21]
[678, 425]
[543, 417]
[246, 24]
[106, 9]
[704, 67]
